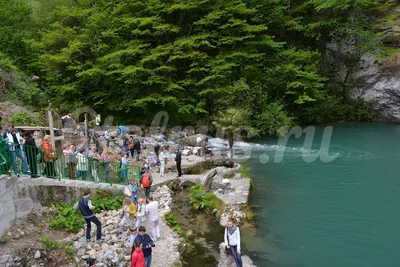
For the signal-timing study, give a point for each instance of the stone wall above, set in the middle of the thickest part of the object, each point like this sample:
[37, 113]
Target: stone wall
[20, 196]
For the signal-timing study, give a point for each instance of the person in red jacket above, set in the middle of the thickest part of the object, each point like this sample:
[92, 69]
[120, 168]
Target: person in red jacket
[137, 259]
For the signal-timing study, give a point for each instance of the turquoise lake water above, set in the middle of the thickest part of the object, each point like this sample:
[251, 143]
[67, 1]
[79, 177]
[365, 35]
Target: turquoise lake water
[344, 213]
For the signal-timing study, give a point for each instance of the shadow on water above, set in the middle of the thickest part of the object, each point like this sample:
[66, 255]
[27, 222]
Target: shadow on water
[204, 232]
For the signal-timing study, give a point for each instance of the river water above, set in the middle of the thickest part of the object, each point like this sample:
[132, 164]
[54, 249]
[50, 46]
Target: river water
[340, 213]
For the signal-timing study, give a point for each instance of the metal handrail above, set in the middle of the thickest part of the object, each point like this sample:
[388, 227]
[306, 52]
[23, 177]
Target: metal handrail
[36, 161]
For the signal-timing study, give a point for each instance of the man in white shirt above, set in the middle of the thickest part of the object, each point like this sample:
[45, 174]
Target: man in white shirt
[154, 217]
[15, 142]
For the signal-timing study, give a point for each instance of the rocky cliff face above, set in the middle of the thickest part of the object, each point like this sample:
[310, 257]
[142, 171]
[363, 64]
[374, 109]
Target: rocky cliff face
[380, 81]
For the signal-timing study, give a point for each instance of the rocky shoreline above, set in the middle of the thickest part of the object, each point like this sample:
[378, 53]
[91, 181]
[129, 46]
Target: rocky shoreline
[227, 184]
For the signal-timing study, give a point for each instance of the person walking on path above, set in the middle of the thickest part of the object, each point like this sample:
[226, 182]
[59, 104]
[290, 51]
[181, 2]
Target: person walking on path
[105, 157]
[107, 136]
[232, 241]
[128, 214]
[49, 157]
[65, 120]
[130, 147]
[136, 147]
[161, 157]
[140, 213]
[147, 244]
[154, 218]
[95, 159]
[4, 157]
[133, 188]
[152, 161]
[98, 121]
[156, 150]
[86, 208]
[124, 166]
[137, 257]
[82, 166]
[71, 159]
[146, 180]
[31, 152]
[15, 142]
[178, 159]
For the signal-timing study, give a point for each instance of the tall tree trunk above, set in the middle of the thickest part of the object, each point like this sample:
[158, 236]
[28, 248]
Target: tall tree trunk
[230, 141]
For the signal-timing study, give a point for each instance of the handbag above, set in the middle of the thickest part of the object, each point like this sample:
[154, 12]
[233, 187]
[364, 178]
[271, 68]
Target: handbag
[127, 192]
[228, 250]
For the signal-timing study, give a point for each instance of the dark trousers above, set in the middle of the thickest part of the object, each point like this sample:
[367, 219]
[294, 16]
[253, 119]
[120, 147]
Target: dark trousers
[71, 170]
[89, 222]
[236, 256]
[49, 171]
[147, 191]
[178, 166]
[82, 174]
[32, 162]
[137, 154]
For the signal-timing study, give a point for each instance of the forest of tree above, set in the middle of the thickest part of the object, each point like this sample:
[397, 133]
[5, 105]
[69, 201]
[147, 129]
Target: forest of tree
[271, 60]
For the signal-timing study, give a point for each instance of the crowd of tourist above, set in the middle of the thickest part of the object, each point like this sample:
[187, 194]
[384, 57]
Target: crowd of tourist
[80, 164]
[135, 215]
[75, 163]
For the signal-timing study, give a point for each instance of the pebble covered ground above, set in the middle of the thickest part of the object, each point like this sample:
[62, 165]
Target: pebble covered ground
[115, 251]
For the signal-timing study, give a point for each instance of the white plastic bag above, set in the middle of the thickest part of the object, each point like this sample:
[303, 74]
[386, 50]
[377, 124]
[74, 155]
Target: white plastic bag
[127, 192]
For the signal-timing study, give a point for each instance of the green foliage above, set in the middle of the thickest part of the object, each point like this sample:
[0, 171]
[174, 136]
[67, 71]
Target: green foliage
[51, 245]
[201, 200]
[3, 240]
[233, 120]
[172, 222]
[336, 109]
[22, 119]
[177, 264]
[104, 200]
[67, 219]
[273, 119]
[192, 170]
[71, 220]
[271, 62]
[245, 172]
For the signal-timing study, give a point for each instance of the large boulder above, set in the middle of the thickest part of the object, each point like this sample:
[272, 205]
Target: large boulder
[192, 140]
[115, 150]
[229, 261]
[220, 183]
[134, 130]
[186, 152]
[113, 134]
[171, 165]
[175, 136]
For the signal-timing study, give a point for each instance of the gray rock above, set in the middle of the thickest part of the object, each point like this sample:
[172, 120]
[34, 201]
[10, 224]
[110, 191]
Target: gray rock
[228, 260]
[113, 134]
[4, 258]
[191, 140]
[37, 254]
[186, 152]
[382, 84]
